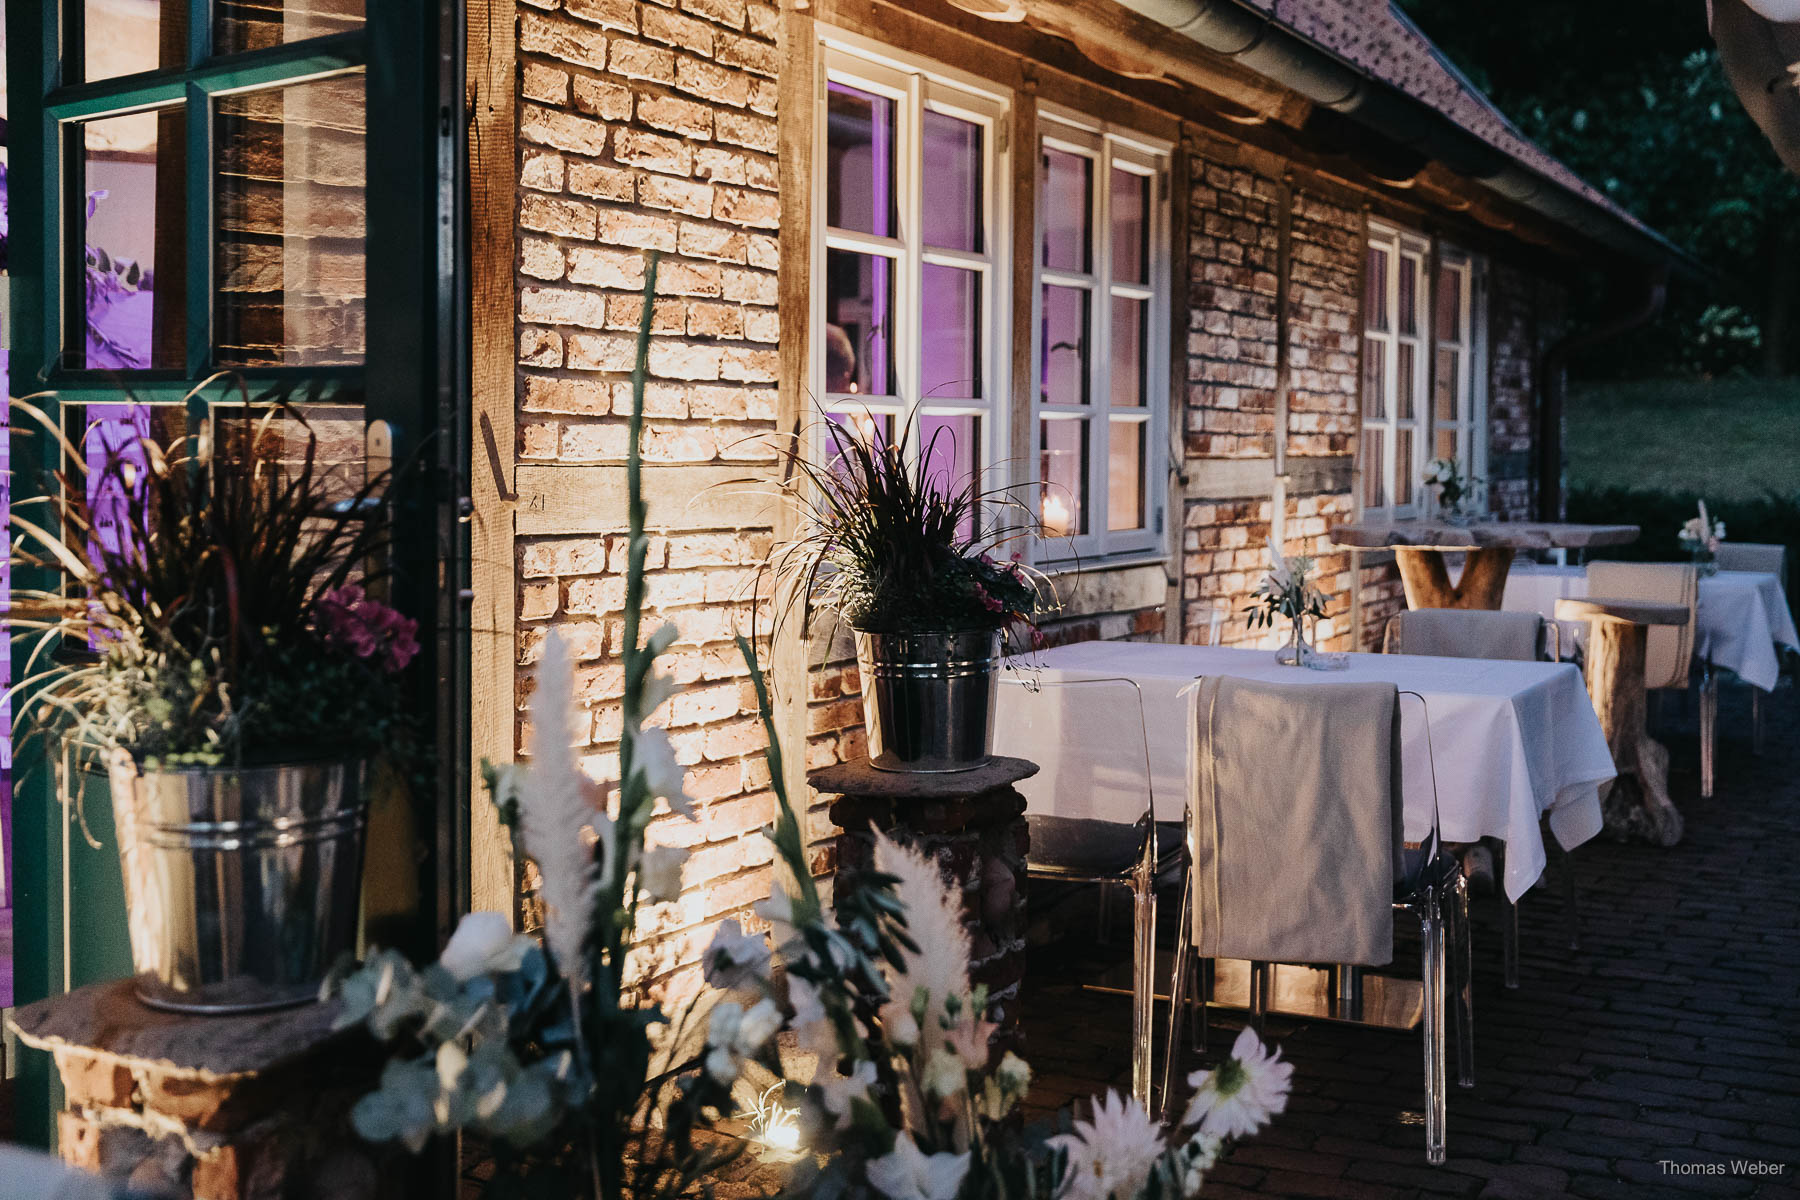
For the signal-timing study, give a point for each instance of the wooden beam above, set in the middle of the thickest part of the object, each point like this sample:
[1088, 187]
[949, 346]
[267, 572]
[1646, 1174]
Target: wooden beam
[680, 498]
[492, 130]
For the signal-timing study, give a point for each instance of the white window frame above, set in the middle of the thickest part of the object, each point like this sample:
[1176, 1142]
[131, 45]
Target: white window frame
[1399, 245]
[1470, 421]
[1107, 146]
[916, 85]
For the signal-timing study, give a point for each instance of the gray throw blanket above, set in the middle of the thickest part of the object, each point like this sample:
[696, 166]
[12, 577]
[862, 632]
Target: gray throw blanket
[1294, 820]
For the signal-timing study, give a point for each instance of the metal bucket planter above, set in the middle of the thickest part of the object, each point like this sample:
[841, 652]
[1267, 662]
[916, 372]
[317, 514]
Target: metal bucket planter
[928, 698]
[241, 885]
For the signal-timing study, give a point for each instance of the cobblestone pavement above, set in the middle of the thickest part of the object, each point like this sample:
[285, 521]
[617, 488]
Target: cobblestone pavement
[1670, 1037]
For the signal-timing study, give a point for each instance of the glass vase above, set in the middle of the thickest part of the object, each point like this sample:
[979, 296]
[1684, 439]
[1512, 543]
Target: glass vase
[1705, 564]
[1297, 651]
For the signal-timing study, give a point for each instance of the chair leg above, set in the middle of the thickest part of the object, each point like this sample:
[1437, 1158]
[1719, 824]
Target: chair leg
[1179, 976]
[1709, 727]
[1262, 991]
[1462, 955]
[1103, 916]
[1143, 988]
[1432, 970]
[1571, 896]
[1509, 939]
[1756, 721]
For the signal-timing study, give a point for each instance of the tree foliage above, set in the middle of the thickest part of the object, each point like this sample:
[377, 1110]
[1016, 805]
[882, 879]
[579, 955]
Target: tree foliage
[1629, 93]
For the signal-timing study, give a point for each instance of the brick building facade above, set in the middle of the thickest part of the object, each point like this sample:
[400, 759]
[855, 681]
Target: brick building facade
[658, 125]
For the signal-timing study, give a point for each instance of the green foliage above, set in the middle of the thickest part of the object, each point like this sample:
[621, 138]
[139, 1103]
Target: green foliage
[1729, 439]
[1630, 95]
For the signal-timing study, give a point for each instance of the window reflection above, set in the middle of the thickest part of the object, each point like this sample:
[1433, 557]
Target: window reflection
[127, 37]
[134, 224]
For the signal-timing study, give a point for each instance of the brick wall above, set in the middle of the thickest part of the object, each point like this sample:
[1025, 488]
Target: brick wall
[651, 126]
[1525, 315]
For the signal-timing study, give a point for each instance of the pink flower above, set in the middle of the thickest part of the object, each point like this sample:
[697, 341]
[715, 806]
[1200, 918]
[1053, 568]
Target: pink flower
[987, 600]
[350, 620]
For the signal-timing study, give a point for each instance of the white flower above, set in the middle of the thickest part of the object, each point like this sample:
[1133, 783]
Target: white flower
[735, 1033]
[1013, 1074]
[906, 1173]
[940, 964]
[898, 1023]
[840, 1091]
[1239, 1098]
[660, 874]
[812, 1029]
[483, 944]
[1196, 1158]
[944, 1075]
[1112, 1153]
[778, 911]
[555, 804]
[663, 776]
[735, 958]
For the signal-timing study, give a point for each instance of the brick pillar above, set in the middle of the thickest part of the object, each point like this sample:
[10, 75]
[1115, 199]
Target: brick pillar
[240, 1107]
[973, 824]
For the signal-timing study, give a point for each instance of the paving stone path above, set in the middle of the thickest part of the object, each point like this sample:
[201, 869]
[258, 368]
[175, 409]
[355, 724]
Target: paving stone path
[1666, 1049]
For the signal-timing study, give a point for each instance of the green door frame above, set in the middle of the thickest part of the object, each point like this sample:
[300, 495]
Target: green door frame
[414, 376]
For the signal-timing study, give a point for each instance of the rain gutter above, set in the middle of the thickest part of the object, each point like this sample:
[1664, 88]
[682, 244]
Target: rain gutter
[1256, 39]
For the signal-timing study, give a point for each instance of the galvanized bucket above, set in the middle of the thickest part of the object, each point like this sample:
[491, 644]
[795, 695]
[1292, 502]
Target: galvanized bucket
[928, 698]
[241, 885]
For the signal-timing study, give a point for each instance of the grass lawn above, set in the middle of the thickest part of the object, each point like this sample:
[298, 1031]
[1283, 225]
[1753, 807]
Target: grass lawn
[1736, 439]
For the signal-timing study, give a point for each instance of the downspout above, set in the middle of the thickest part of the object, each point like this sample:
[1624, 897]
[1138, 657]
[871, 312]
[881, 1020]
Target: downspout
[1553, 383]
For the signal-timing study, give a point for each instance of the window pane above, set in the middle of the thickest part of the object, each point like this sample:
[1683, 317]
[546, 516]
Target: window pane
[259, 24]
[1130, 227]
[952, 446]
[1375, 311]
[1406, 374]
[952, 183]
[856, 425]
[1065, 205]
[1063, 469]
[859, 316]
[1449, 304]
[952, 333]
[125, 37]
[1065, 346]
[134, 224]
[859, 160]
[1128, 352]
[1125, 476]
[1405, 473]
[1446, 444]
[1373, 469]
[1409, 295]
[289, 263]
[1374, 379]
[1449, 385]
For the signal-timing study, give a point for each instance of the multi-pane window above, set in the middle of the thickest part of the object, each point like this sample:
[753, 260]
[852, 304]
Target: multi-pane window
[1420, 338]
[1100, 355]
[915, 300]
[912, 263]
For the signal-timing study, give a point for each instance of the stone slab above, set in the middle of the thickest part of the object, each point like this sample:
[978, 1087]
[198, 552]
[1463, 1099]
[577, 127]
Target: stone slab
[858, 778]
[1519, 535]
[1638, 612]
[107, 1023]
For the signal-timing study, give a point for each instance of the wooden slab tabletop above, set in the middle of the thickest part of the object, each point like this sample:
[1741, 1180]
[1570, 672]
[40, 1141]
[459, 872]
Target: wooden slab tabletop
[1518, 535]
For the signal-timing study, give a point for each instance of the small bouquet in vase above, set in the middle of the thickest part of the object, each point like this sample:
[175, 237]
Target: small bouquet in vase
[1287, 591]
[1700, 537]
[1454, 489]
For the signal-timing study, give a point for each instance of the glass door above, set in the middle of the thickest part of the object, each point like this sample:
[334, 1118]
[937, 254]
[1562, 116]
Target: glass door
[203, 213]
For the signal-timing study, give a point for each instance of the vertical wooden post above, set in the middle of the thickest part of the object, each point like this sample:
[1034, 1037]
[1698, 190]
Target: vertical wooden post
[492, 380]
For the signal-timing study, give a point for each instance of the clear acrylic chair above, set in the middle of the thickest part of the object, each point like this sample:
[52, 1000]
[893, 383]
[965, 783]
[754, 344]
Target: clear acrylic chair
[1669, 650]
[1512, 636]
[1429, 887]
[1770, 558]
[1111, 742]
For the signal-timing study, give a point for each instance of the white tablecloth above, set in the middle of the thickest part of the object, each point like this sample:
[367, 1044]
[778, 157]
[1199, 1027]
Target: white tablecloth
[1510, 741]
[1742, 617]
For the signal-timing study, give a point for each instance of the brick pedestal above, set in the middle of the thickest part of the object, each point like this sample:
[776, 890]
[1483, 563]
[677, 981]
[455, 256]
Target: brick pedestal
[973, 824]
[252, 1107]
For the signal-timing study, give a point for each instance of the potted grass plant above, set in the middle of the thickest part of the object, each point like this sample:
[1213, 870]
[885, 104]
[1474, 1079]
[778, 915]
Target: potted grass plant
[216, 647]
[910, 558]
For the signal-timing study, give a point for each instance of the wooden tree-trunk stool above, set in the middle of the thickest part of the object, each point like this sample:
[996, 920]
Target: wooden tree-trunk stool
[250, 1106]
[973, 824]
[1618, 631]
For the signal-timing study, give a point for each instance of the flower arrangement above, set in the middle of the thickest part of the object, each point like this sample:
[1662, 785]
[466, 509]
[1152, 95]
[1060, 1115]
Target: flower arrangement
[220, 613]
[587, 1090]
[1700, 534]
[892, 544]
[1287, 591]
[1454, 489]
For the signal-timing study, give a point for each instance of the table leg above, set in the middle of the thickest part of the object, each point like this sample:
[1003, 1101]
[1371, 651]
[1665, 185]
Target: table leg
[1427, 578]
[1638, 808]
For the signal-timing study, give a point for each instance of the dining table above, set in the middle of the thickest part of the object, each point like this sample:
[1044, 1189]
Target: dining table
[1489, 748]
[1420, 547]
[1741, 620]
